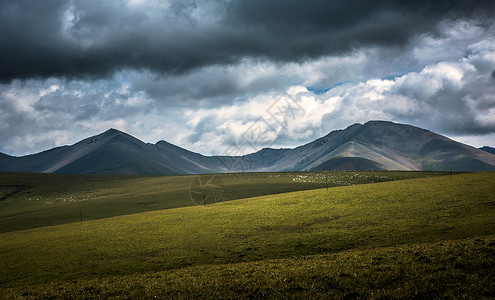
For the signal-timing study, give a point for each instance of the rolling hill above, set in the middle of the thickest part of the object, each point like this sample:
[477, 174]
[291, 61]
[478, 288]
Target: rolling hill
[420, 238]
[375, 145]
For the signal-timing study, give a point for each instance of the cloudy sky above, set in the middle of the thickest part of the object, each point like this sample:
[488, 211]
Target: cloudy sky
[209, 75]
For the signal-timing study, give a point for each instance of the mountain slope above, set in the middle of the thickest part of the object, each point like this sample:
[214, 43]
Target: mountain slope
[375, 145]
[381, 145]
[420, 149]
[112, 152]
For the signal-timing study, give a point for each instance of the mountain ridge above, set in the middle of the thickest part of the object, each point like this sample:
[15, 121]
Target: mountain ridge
[374, 145]
[488, 149]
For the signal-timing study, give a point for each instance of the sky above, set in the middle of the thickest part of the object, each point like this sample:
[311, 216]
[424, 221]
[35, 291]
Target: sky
[234, 76]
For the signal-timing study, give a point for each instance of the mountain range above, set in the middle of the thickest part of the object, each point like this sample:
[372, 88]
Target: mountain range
[374, 145]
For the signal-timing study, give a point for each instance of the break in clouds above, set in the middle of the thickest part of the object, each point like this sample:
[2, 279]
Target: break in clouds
[201, 73]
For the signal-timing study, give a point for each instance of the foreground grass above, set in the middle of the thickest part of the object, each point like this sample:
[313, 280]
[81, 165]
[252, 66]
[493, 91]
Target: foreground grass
[255, 229]
[449, 269]
[29, 200]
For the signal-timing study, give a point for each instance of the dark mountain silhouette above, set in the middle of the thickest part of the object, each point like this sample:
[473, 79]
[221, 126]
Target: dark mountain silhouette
[375, 145]
[488, 149]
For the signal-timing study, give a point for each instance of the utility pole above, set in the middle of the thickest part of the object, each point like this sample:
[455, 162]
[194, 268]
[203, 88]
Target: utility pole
[80, 214]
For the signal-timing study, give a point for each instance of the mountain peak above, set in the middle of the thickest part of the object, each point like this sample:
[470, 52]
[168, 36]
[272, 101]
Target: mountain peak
[112, 131]
[381, 122]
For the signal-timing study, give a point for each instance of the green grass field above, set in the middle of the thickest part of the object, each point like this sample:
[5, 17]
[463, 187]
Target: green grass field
[51, 199]
[416, 238]
[448, 269]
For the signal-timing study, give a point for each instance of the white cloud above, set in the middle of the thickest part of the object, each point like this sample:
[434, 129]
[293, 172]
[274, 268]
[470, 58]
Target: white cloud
[446, 96]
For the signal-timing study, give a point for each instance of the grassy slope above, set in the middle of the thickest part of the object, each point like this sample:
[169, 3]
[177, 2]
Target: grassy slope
[269, 227]
[462, 268]
[58, 199]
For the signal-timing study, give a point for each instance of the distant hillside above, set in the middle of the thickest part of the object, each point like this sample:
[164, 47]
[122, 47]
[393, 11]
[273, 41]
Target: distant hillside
[488, 149]
[375, 145]
[112, 152]
[379, 145]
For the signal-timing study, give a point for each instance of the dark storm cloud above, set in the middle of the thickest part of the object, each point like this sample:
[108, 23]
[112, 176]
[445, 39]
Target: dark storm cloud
[97, 38]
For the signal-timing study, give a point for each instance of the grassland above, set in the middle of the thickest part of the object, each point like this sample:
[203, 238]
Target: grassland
[448, 269]
[410, 238]
[50, 199]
